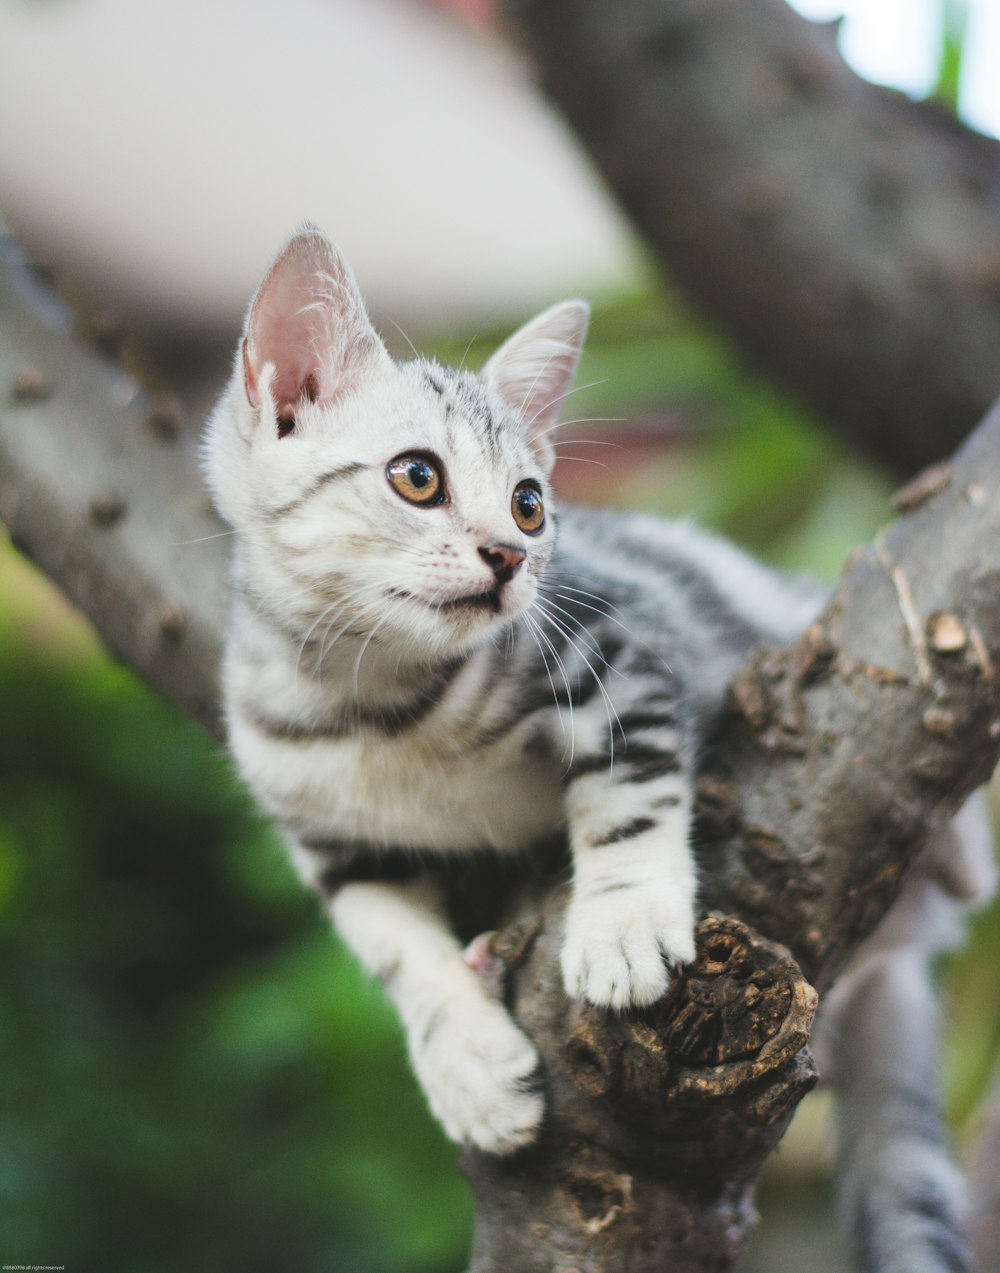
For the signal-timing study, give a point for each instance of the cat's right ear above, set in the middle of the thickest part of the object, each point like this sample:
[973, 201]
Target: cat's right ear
[533, 369]
[307, 336]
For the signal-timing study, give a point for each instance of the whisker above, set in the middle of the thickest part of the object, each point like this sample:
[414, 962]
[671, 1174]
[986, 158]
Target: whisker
[413, 347]
[608, 705]
[561, 398]
[586, 636]
[183, 543]
[531, 388]
[595, 419]
[465, 352]
[569, 738]
[581, 459]
[363, 651]
[594, 597]
[585, 441]
[608, 615]
[587, 606]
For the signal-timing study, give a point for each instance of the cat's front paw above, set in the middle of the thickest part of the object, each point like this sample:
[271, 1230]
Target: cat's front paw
[481, 1077]
[618, 946]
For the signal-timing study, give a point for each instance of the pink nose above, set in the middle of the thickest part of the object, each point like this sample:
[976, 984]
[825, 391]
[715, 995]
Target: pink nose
[503, 559]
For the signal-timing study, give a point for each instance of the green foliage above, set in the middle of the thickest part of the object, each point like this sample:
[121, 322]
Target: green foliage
[194, 1073]
[954, 23]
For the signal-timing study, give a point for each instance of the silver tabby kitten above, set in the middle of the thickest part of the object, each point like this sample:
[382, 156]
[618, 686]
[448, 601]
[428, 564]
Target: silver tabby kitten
[425, 662]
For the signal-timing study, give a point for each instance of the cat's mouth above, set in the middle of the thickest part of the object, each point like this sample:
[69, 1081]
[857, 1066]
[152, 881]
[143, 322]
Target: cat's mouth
[488, 600]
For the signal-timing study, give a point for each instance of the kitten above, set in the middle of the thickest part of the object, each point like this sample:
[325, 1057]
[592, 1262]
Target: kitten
[420, 670]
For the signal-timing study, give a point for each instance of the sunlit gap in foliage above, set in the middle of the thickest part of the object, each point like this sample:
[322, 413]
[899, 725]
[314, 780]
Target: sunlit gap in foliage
[946, 49]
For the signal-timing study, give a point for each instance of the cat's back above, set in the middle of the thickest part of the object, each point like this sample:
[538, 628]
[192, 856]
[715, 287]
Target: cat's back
[695, 598]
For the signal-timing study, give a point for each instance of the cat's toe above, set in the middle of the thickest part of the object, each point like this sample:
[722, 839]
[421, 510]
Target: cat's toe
[619, 957]
[482, 1080]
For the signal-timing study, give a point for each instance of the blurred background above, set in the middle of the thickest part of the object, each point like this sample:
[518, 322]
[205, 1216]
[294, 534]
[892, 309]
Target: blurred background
[192, 1072]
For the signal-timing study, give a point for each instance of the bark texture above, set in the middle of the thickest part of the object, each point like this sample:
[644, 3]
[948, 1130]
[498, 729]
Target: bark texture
[847, 238]
[839, 756]
[99, 488]
[658, 1122]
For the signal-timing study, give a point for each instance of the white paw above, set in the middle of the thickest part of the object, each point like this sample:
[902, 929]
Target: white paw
[480, 1076]
[618, 945]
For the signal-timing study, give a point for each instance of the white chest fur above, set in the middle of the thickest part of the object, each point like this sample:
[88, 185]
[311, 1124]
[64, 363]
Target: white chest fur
[401, 792]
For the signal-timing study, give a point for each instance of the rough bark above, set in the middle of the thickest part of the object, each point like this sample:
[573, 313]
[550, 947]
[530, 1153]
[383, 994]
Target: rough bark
[840, 754]
[99, 488]
[848, 238]
[657, 1122]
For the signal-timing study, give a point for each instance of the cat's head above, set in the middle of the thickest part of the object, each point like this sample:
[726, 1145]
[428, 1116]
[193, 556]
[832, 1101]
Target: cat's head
[406, 500]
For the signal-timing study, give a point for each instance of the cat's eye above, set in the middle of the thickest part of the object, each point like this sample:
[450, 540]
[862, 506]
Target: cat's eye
[527, 507]
[417, 478]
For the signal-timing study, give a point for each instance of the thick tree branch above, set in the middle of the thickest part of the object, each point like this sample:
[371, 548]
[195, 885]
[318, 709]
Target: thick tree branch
[845, 750]
[848, 238]
[839, 757]
[107, 499]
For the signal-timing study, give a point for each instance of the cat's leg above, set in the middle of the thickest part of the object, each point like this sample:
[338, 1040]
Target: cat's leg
[477, 1069]
[632, 910]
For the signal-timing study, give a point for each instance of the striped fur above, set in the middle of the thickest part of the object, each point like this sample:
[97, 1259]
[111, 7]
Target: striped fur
[402, 705]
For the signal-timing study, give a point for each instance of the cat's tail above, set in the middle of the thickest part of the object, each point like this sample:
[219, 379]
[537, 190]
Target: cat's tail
[900, 1192]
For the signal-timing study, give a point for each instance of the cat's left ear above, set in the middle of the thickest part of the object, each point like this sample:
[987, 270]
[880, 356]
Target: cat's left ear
[532, 370]
[308, 336]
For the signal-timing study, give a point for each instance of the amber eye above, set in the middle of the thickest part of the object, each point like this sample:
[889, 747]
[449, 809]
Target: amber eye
[528, 509]
[417, 478]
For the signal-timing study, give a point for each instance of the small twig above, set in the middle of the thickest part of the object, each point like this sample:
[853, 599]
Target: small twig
[908, 612]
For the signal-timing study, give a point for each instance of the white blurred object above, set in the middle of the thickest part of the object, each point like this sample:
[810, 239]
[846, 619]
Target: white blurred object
[159, 152]
[898, 42]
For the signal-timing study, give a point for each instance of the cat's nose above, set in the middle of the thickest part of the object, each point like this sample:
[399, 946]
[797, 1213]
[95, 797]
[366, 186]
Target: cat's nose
[503, 559]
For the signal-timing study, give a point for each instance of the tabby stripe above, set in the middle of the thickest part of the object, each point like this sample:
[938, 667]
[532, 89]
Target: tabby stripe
[584, 765]
[918, 1112]
[261, 612]
[324, 479]
[638, 762]
[932, 1205]
[345, 862]
[645, 718]
[539, 694]
[485, 417]
[736, 629]
[624, 831]
[879, 1233]
[368, 869]
[396, 720]
[290, 731]
[431, 1026]
[385, 720]
[645, 764]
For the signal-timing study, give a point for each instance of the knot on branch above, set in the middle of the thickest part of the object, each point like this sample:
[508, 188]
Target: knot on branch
[767, 693]
[600, 1198]
[729, 1035]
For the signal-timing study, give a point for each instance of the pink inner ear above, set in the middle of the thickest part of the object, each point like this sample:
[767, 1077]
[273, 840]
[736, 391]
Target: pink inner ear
[307, 328]
[289, 328]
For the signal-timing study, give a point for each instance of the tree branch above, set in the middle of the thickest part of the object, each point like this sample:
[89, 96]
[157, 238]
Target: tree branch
[838, 759]
[107, 500]
[848, 238]
[840, 755]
